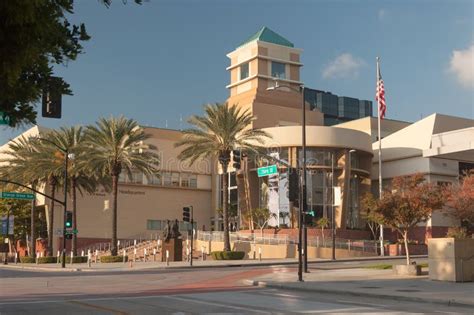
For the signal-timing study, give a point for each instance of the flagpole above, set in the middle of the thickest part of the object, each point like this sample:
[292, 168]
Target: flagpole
[382, 252]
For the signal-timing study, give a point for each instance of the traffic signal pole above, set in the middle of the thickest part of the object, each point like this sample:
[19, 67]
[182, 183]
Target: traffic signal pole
[63, 255]
[192, 236]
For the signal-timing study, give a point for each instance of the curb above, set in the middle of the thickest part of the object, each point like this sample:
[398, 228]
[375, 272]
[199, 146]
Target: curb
[277, 285]
[228, 265]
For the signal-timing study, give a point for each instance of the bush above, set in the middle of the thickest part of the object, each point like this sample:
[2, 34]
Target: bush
[112, 259]
[75, 259]
[457, 233]
[27, 260]
[47, 260]
[224, 255]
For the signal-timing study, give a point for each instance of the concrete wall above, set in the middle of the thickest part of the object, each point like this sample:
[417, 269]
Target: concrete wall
[451, 259]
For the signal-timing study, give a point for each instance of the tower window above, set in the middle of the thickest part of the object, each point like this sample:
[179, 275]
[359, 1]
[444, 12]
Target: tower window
[278, 70]
[244, 71]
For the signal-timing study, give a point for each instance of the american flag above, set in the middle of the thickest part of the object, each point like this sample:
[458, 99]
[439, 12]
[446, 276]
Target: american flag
[380, 94]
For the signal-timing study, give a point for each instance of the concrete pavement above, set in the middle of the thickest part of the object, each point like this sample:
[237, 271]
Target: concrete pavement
[378, 284]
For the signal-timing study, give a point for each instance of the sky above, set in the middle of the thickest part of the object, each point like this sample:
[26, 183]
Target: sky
[160, 62]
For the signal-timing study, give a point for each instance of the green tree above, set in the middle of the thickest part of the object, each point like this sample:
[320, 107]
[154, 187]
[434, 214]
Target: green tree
[410, 202]
[368, 207]
[115, 145]
[322, 223]
[214, 135]
[35, 35]
[261, 217]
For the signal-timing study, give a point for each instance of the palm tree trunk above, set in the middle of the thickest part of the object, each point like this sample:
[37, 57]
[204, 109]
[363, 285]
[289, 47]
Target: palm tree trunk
[32, 252]
[113, 246]
[74, 216]
[51, 217]
[225, 206]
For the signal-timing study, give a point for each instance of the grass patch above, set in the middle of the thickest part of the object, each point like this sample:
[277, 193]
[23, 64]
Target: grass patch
[379, 266]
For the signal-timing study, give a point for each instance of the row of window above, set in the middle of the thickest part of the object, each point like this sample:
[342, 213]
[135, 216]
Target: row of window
[278, 70]
[160, 225]
[171, 179]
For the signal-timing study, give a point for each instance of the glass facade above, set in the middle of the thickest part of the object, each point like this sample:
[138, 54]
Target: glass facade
[173, 179]
[244, 71]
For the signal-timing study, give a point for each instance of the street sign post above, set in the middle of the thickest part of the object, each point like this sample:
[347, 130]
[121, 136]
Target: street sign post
[267, 170]
[17, 195]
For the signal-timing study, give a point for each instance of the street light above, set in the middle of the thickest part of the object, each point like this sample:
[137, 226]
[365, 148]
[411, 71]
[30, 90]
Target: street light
[303, 205]
[349, 188]
[64, 203]
[9, 207]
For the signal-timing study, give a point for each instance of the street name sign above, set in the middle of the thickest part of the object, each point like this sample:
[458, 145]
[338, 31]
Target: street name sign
[17, 195]
[267, 170]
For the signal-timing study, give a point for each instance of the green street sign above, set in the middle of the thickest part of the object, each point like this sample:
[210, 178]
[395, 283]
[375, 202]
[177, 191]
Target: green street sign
[267, 170]
[4, 119]
[16, 195]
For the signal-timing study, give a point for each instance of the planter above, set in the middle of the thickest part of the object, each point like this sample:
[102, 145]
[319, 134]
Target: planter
[451, 259]
[407, 270]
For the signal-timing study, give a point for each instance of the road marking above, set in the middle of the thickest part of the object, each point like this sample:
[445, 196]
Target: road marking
[216, 304]
[361, 303]
[332, 311]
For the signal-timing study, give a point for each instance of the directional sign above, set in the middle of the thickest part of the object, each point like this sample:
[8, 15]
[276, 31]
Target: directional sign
[267, 170]
[17, 195]
[4, 119]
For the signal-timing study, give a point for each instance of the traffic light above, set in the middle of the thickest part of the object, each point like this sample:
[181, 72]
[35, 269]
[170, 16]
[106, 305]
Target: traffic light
[237, 158]
[69, 236]
[294, 187]
[52, 102]
[186, 214]
[68, 223]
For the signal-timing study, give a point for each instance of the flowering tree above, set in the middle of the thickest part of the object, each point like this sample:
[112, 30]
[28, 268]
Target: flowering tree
[410, 202]
[460, 199]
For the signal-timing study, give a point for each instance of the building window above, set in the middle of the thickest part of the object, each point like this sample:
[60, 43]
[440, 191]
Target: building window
[188, 180]
[136, 177]
[278, 70]
[166, 179]
[155, 179]
[153, 224]
[244, 71]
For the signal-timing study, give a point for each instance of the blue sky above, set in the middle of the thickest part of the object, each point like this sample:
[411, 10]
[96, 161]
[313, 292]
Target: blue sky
[164, 59]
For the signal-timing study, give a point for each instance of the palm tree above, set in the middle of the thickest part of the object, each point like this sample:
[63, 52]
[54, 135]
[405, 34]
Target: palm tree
[17, 167]
[114, 145]
[222, 129]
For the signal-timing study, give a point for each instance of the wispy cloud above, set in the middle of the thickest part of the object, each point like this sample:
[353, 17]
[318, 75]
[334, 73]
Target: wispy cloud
[343, 66]
[462, 65]
[381, 14]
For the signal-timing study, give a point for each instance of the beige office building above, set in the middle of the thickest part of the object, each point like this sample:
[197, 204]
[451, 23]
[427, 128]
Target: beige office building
[344, 155]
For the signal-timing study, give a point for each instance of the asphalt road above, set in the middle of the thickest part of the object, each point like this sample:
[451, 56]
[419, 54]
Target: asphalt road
[185, 291]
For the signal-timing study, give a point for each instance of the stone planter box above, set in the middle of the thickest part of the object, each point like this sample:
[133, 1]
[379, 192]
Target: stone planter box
[451, 259]
[399, 249]
[407, 270]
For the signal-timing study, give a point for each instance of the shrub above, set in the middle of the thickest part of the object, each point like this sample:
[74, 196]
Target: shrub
[47, 260]
[224, 255]
[457, 233]
[27, 260]
[112, 259]
[75, 259]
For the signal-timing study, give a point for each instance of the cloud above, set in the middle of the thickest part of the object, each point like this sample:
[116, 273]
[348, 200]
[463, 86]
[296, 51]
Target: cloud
[462, 65]
[343, 66]
[381, 14]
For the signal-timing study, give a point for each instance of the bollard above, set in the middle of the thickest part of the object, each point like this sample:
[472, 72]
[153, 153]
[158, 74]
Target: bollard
[72, 257]
[134, 254]
[82, 253]
[37, 256]
[96, 254]
[134, 242]
[317, 241]
[167, 258]
[187, 253]
[57, 257]
[144, 255]
[349, 245]
[154, 254]
[260, 253]
[16, 258]
[202, 253]
[89, 259]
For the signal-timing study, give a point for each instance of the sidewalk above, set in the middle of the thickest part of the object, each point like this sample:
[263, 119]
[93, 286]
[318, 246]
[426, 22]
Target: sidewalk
[184, 264]
[373, 283]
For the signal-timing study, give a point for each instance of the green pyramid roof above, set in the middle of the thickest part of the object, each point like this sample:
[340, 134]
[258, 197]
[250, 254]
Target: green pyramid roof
[269, 36]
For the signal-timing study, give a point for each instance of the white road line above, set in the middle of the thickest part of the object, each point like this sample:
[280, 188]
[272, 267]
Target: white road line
[333, 311]
[216, 304]
[361, 303]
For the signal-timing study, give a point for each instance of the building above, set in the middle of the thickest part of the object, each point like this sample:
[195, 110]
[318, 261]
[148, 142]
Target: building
[340, 155]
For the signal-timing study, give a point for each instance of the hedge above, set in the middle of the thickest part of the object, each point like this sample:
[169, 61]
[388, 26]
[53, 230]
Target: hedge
[47, 260]
[112, 259]
[27, 260]
[224, 255]
[75, 259]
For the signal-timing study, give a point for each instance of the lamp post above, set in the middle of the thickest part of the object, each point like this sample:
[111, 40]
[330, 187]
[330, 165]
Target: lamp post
[333, 218]
[9, 207]
[303, 205]
[64, 203]
[351, 206]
